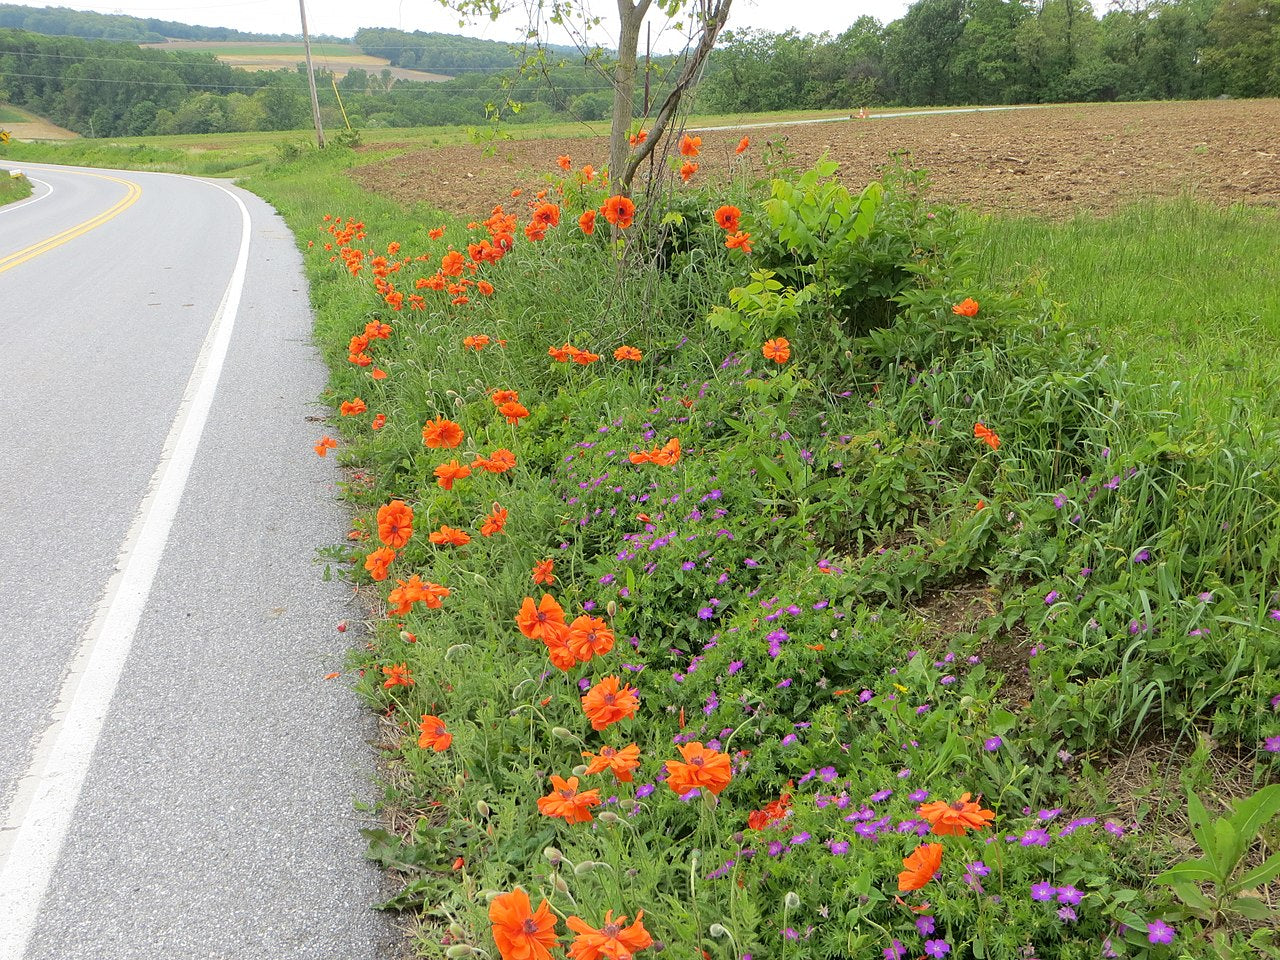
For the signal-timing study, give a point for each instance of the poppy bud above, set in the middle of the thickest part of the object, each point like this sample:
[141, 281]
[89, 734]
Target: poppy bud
[558, 882]
[459, 950]
[585, 867]
[608, 817]
[554, 855]
[791, 901]
[718, 930]
[611, 608]
[456, 931]
[580, 770]
[460, 781]
[487, 895]
[457, 650]
[482, 808]
[459, 403]
[563, 733]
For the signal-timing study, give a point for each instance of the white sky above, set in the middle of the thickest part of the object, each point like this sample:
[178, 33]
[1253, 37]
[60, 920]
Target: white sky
[342, 17]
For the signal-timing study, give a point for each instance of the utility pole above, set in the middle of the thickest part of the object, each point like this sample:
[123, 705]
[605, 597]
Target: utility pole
[311, 76]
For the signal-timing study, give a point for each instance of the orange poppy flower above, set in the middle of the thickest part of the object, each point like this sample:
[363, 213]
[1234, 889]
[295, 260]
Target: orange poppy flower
[352, 407]
[450, 537]
[638, 138]
[398, 675]
[587, 222]
[500, 461]
[690, 146]
[728, 217]
[447, 473]
[986, 436]
[627, 353]
[772, 812]
[485, 287]
[968, 307]
[436, 233]
[955, 818]
[618, 762]
[494, 522]
[556, 639]
[406, 593]
[442, 434]
[534, 621]
[379, 422]
[377, 330]
[395, 523]
[619, 211]
[585, 357]
[739, 241]
[432, 734]
[477, 341]
[546, 215]
[605, 703]
[542, 571]
[564, 161]
[500, 397]
[325, 445]
[612, 941]
[513, 410]
[452, 263]
[378, 562]
[705, 769]
[778, 350]
[742, 145]
[378, 374]
[565, 801]
[924, 861]
[669, 455]
[589, 637]
[688, 170]
[520, 932]
[358, 344]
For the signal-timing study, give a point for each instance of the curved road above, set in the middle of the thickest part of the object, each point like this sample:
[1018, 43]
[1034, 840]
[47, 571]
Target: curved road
[176, 778]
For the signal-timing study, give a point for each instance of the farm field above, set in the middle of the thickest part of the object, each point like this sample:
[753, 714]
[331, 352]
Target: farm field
[340, 59]
[23, 125]
[1053, 161]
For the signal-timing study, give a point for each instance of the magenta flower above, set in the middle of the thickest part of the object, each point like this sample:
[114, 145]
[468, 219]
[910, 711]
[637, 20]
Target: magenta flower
[1160, 932]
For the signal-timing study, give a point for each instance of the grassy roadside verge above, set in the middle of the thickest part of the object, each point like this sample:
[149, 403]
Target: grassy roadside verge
[904, 614]
[13, 188]
[838, 587]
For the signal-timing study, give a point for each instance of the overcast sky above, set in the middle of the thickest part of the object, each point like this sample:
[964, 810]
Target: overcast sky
[343, 17]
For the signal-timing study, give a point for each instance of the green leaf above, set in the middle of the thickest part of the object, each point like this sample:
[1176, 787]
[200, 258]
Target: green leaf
[1194, 871]
[1253, 812]
[1230, 847]
[1259, 875]
[1200, 829]
[1250, 907]
[1191, 895]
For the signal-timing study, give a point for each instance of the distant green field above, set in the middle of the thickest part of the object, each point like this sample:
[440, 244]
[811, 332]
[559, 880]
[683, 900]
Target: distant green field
[10, 115]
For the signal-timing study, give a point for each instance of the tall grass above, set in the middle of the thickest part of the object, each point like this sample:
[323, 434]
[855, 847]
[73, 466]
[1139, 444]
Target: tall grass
[1183, 292]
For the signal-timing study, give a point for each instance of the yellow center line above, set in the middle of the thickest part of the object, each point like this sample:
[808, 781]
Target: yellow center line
[44, 246]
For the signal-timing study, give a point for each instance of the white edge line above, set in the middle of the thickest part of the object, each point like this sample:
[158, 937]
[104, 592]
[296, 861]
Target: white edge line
[28, 201]
[41, 814]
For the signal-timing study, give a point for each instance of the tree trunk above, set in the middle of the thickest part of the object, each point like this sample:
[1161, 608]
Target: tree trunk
[624, 83]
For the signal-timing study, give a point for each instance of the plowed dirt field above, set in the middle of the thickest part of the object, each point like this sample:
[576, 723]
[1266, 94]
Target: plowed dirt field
[1051, 161]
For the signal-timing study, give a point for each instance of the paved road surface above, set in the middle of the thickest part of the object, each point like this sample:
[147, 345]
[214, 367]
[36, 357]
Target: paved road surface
[176, 778]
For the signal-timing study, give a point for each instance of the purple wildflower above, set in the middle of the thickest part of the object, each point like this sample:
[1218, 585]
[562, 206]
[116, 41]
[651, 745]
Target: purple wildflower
[992, 743]
[937, 948]
[1043, 891]
[1160, 932]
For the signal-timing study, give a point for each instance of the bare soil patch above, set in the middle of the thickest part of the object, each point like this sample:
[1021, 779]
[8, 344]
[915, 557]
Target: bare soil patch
[1052, 161]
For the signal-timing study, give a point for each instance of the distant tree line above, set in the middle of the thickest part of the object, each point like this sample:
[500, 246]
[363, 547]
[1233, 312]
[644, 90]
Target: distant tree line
[446, 53]
[105, 89]
[61, 22]
[1007, 51]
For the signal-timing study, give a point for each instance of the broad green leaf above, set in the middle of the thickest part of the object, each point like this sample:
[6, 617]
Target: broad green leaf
[1201, 830]
[1190, 870]
[1250, 907]
[1230, 847]
[1190, 894]
[1259, 875]
[1251, 813]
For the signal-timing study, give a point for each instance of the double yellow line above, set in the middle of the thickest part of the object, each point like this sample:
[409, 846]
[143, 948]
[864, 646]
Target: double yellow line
[132, 193]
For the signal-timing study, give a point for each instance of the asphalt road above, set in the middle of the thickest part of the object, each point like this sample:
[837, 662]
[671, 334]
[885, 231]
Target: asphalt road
[177, 779]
